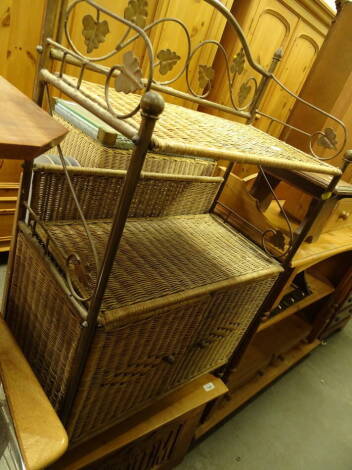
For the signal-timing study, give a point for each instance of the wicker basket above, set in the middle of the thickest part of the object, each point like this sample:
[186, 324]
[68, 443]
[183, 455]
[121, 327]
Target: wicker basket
[91, 153]
[181, 294]
[98, 191]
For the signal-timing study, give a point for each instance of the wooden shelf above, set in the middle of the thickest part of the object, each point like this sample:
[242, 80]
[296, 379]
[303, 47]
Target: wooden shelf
[234, 401]
[26, 130]
[320, 289]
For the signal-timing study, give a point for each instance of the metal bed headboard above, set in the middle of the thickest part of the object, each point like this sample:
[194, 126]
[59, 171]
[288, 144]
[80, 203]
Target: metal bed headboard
[128, 74]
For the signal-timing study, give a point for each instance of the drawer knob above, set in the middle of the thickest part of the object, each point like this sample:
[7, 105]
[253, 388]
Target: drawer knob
[202, 344]
[170, 359]
[344, 215]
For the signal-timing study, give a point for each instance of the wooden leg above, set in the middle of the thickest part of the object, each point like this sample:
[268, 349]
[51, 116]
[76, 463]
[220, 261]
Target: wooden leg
[261, 191]
[320, 220]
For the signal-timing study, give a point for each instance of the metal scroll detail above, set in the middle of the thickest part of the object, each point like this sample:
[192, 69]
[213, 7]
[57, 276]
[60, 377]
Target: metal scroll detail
[245, 89]
[95, 31]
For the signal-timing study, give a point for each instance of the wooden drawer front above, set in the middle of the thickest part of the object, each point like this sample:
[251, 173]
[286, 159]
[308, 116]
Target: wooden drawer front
[7, 214]
[130, 366]
[343, 314]
[10, 170]
[347, 303]
[8, 191]
[340, 216]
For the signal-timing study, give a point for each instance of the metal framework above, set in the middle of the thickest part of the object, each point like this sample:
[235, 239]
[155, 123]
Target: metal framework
[127, 77]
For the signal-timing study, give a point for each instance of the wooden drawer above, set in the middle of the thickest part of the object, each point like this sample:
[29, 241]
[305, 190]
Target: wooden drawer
[7, 214]
[341, 215]
[10, 171]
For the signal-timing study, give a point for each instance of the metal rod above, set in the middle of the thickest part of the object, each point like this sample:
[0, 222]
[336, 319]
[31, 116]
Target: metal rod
[227, 173]
[151, 106]
[57, 54]
[264, 84]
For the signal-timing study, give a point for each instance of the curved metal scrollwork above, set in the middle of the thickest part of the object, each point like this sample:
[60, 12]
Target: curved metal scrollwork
[245, 91]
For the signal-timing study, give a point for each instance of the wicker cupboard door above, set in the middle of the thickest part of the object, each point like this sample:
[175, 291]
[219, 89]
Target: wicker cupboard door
[227, 319]
[130, 365]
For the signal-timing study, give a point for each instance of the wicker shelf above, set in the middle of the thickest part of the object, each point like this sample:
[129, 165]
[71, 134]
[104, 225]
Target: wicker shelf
[320, 289]
[238, 397]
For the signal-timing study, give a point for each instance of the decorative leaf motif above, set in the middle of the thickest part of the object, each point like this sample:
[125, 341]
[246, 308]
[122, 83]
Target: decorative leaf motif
[278, 240]
[137, 12]
[129, 79]
[205, 75]
[328, 139]
[168, 59]
[237, 65]
[244, 92]
[94, 32]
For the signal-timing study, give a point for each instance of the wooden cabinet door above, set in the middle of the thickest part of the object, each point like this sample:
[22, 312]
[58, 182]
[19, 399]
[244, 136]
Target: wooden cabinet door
[293, 70]
[270, 28]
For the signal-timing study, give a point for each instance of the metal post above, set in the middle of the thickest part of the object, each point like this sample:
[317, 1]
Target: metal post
[264, 84]
[151, 106]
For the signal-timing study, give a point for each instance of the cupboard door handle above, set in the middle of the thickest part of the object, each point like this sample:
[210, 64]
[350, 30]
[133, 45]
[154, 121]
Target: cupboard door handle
[170, 359]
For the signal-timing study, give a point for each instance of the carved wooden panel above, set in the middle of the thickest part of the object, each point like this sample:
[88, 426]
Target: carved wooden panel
[296, 64]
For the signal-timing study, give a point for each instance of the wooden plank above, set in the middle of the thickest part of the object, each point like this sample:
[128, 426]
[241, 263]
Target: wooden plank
[233, 402]
[26, 131]
[5, 26]
[24, 36]
[40, 432]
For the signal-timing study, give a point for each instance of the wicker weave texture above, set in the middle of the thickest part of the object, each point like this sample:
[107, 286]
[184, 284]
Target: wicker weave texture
[91, 154]
[43, 321]
[140, 352]
[129, 366]
[163, 256]
[184, 131]
[98, 192]
[226, 320]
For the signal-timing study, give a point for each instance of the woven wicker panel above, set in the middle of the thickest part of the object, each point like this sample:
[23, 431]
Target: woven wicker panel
[164, 256]
[228, 317]
[129, 366]
[90, 153]
[42, 320]
[184, 131]
[98, 192]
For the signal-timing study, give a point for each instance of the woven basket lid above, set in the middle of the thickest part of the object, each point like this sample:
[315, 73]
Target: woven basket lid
[164, 260]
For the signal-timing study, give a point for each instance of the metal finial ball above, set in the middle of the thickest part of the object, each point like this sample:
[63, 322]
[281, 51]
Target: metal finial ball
[348, 156]
[152, 103]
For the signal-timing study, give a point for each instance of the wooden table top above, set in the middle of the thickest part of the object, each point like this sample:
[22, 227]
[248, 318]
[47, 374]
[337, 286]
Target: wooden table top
[40, 433]
[26, 130]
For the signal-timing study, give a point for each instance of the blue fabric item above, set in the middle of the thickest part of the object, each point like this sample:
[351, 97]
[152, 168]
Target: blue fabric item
[55, 160]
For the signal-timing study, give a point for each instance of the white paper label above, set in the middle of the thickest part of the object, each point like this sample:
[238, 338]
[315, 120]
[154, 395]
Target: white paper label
[209, 386]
